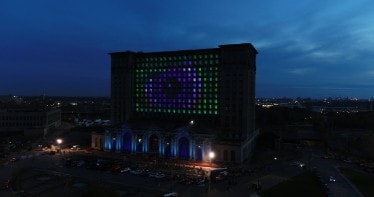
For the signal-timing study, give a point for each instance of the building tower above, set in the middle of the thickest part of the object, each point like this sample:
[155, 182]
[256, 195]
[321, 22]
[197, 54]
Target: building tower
[214, 87]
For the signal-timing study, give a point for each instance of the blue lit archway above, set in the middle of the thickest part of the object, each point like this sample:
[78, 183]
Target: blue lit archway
[113, 147]
[139, 143]
[127, 142]
[154, 142]
[184, 148]
[199, 154]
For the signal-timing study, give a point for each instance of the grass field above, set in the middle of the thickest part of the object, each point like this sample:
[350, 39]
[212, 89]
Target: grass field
[364, 182]
[305, 185]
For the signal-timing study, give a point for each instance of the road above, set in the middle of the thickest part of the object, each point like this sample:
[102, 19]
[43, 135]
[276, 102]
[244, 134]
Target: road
[325, 168]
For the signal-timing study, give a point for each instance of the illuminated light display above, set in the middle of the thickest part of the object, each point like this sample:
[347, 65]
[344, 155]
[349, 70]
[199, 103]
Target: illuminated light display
[178, 84]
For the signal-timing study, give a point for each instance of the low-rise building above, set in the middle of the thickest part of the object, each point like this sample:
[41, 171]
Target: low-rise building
[28, 121]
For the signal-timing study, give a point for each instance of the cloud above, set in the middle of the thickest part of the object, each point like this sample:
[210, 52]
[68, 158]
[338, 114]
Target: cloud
[301, 71]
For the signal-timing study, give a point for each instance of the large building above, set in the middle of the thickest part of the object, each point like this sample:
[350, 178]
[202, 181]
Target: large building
[184, 104]
[28, 121]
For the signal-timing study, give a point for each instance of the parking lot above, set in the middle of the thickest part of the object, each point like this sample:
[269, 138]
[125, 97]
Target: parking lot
[72, 172]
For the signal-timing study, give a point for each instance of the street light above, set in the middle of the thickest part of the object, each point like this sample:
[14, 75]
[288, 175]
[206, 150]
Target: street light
[59, 141]
[211, 156]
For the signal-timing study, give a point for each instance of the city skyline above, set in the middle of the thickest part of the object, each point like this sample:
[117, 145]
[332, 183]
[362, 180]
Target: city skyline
[308, 49]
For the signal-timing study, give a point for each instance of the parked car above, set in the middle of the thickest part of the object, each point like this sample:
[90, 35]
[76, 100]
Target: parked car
[332, 179]
[127, 169]
[13, 159]
[170, 194]
[136, 171]
[76, 147]
[6, 184]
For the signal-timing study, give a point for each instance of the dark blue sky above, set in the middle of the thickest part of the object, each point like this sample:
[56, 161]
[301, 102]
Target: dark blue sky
[309, 48]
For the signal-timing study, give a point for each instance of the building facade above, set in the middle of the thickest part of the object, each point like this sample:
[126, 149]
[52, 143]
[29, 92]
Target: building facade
[28, 121]
[97, 140]
[188, 103]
